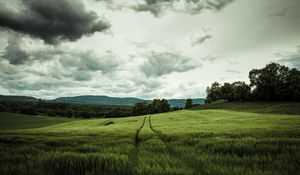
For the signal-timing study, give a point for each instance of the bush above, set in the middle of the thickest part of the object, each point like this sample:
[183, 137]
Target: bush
[50, 112]
[2, 108]
[27, 110]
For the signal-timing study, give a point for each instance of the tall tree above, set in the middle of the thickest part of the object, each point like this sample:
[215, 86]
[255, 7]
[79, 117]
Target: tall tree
[213, 92]
[158, 106]
[188, 103]
[140, 109]
[269, 82]
[241, 91]
[293, 85]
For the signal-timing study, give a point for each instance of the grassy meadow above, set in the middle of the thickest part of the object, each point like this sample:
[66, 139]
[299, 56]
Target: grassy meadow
[218, 141]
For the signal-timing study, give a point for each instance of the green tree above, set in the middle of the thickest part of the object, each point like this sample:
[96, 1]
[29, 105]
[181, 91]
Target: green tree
[213, 92]
[188, 103]
[241, 91]
[158, 106]
[2, 108]
[69, 113]
[140, 109]
[269, 83]
[293, 85]
[226, 92]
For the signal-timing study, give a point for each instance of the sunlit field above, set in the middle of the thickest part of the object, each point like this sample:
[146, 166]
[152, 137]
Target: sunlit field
[184, 142]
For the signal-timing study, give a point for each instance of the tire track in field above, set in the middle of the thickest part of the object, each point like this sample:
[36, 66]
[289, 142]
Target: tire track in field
[161, 136]
[134, 154]
[171, 150]
[137, 140]
[165, 139]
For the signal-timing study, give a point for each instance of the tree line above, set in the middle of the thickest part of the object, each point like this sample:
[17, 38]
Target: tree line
[71, 110]
[156, 106]
[274, 82]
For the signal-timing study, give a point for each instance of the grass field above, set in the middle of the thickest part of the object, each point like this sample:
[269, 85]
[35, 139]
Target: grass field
[18, 121]
[212, 141]
[256, 107]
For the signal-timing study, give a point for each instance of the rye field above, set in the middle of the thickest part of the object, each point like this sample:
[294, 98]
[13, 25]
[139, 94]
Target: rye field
[218, 141]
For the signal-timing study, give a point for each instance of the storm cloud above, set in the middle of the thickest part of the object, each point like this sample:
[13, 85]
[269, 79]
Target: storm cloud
[157, 7]
[14, 53]
[57, 62]
[18, 53]
[162, 63]
[51, 20]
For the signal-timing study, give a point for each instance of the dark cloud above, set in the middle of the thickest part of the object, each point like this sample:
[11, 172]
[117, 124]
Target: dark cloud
[291, 58]
[159, 64]
[14, 53]
[62, 62]
[200, 40]
[157, 7]
[17, 53]
[215, 4]
[51, 20]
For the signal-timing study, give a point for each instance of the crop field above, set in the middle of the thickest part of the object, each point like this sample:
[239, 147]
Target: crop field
[212, 141]
[13, 121]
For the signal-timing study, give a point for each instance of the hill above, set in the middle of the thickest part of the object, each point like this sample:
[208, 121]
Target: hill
[181, 102]
[17, 98]
[103, 100]
[130, 101]
[255, 107]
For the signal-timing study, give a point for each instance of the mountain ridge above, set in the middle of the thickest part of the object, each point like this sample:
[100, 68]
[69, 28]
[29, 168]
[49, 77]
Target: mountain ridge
[130, 101]
[101, 100]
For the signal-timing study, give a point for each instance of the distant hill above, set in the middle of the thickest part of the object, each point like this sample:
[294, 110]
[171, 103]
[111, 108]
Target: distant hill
[181, 102]
[101, 100]
[106, 100]
[17, 98]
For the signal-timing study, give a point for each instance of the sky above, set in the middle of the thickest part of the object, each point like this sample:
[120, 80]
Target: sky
[141, 48]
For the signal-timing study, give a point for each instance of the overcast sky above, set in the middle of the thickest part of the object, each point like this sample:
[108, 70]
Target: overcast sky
[141, 48]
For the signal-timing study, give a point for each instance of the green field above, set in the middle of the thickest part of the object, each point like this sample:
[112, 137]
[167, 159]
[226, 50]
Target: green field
[11, 121]
[256, 107]
[212, 141]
